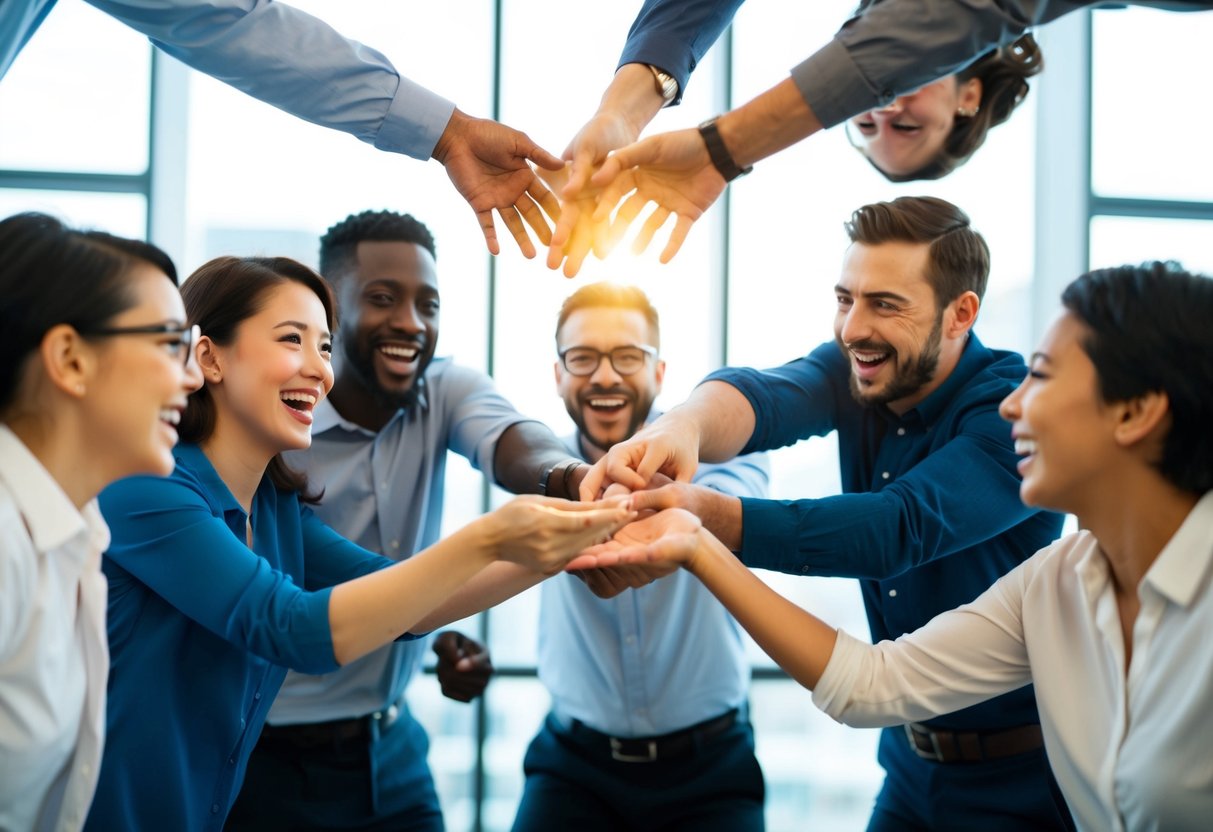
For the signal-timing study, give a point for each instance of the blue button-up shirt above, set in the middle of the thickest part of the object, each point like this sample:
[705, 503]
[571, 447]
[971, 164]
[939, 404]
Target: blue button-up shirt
[201, 631]
[384, 491]
[651, 660]
[930, 516]
[275, 53]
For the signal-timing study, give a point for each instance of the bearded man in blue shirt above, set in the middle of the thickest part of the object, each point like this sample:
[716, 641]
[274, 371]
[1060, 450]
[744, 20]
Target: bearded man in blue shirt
[930, 515]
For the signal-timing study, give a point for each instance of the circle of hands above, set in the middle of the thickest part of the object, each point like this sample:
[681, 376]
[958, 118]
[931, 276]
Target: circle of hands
[593, 194]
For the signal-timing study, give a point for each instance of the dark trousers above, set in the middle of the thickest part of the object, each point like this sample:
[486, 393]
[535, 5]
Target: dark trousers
[1011, 794]
[574, 783]
[378, 782]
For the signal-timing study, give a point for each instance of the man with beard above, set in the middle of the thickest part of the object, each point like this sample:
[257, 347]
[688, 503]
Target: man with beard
[648, 727]
[931, 514]
[342, 751]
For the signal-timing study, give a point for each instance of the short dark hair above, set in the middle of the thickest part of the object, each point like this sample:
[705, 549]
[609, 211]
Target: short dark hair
[339, 245]
[958, 258]
[1150, 332]
[614, 296]
[1003, 73]
[218, 297]
[51, 274]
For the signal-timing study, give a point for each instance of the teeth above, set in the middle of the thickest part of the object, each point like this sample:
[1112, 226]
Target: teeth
[869, 357]
[171, 415]
[299, 396]
[407, 353]
[1025, 447]
[607, 402]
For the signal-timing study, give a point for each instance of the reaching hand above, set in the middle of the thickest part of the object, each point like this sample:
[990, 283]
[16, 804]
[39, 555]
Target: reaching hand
[544, 533]
[668, 538]
[464, 667]
[608, 582]
[719, 513]
[667, 448]
[576, 234]
[672, 170]
[487, 162]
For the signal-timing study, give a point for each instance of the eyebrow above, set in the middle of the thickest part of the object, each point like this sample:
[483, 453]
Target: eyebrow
[877, 295]
[1039, 356]
[301, 325]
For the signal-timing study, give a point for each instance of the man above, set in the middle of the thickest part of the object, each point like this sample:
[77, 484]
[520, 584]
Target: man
[648, 727]
[298, 63]
[931, 514]
[342, 751]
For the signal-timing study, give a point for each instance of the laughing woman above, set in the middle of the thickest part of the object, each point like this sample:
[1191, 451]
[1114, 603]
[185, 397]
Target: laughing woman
[1111, 624]
[221, 578]
[93, 373]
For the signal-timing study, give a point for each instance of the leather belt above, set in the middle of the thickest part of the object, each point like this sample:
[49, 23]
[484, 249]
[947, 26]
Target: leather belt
[972, 746]
[333, 732]
[650, 749]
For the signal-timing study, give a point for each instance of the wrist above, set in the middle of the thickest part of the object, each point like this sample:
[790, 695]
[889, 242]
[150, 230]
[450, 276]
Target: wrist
[723, 160]
[449, 134]
[555, 480]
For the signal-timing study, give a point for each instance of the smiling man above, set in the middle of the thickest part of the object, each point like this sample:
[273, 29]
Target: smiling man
[648, 727]
[931, 515]
[342, 751]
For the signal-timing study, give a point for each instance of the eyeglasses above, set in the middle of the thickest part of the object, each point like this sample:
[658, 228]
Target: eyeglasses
[179, 347]
[583, 361]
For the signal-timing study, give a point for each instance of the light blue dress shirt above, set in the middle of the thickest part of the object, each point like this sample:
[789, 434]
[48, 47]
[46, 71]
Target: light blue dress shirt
[384, 491]
[277, 54]
[651, 660]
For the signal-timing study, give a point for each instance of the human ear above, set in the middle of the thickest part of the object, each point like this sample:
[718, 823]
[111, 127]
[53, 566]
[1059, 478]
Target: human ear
[207, 355]
[962, 314]
[1141, 417]
[68, 359]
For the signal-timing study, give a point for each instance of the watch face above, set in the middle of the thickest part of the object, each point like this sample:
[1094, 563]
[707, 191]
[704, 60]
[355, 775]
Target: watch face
[667, 87]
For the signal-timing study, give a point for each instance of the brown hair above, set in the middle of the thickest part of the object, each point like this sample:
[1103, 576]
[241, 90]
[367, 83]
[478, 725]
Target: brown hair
[219, 296]
[958, 258]
[614, 296]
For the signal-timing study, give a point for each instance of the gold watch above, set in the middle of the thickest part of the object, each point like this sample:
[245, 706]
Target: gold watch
[667, 86]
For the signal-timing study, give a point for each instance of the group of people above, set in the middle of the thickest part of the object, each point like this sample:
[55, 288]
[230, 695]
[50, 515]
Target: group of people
[220, 505]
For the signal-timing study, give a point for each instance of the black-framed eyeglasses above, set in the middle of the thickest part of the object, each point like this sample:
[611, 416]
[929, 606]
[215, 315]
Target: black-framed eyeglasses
[180, 346]
[583, 361]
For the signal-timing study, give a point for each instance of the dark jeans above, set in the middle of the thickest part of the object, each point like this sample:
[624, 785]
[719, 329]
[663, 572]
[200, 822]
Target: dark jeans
[1007, 795]
[571, 784]
[380, 784]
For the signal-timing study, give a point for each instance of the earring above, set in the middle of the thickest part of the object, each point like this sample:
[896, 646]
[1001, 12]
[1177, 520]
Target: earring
[966, 112]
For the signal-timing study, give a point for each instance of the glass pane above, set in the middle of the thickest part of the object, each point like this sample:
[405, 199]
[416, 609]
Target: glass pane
[1152, 134]
[80, 93]
[517, 708]
[122, 214]
[1119, 240]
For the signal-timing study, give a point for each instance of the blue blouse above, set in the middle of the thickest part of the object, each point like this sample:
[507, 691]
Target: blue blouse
[201, 633]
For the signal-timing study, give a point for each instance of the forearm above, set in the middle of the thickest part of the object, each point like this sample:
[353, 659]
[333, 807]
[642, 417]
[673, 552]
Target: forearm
[722, 418]
[631, 98]
[527, 449]
[774, 121]
[799, 642]
[376, 609]
[496, 583]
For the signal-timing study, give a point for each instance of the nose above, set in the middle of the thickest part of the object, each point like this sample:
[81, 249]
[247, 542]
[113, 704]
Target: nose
[894, 107]
[605, 375]
[406, 319]
[853, 325]
[191, 377]
[1010, 409]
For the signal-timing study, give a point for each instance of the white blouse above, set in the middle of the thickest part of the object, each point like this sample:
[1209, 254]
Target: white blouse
[53, 653]
[1130, 750]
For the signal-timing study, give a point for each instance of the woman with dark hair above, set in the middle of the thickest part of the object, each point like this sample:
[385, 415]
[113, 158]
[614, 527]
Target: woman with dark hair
[1111, 624]
[221, 579]
[93, 379]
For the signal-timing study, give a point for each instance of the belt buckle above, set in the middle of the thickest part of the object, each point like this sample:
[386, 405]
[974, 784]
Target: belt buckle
[935, 754]
[618, 754]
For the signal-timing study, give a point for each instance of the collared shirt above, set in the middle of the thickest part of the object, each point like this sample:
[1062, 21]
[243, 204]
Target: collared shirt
[930, 516]
[1130, 746]
[53, 656]
[275, 53]
[384, 491]
[201, 631]
[651, 660]
[887, 49]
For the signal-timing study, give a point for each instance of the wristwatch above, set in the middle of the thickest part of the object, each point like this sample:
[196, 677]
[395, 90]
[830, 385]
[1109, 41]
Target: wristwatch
[721, 158]
[569, 465]
[667, 86]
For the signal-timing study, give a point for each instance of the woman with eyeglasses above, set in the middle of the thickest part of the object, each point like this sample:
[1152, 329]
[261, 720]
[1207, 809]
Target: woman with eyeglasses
[1110, 624]
[221, 578]
[93, 380]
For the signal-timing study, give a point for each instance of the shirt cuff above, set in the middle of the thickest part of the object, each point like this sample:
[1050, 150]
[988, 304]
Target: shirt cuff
[414, 121]
[833, 86]
[766, 528]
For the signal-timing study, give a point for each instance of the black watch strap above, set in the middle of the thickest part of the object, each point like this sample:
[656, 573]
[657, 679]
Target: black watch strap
[721, 158]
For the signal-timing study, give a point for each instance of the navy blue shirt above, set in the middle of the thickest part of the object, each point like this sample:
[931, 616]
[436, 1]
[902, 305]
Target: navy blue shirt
[930, 516]
[202, 630]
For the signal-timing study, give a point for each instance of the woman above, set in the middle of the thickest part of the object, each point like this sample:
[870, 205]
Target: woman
[928, 133]
[221, 579]
[1110, 624]
[94, 378]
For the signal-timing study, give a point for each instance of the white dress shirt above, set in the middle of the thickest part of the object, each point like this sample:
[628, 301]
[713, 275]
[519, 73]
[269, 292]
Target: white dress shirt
[53, 651]
[1132, 748]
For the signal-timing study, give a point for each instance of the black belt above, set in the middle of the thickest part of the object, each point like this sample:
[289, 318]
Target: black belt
[333, 732]
[972, 746]
[650, 749]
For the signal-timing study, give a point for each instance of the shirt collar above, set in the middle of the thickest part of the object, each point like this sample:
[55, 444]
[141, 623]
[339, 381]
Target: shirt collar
[191, 457]
[1182, 567]
[973, 358]
[325, 417]
[49, 514]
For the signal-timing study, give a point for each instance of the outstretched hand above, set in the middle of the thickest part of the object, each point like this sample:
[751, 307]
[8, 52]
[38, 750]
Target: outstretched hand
[488, 164]
[544, 533]
[667, 538]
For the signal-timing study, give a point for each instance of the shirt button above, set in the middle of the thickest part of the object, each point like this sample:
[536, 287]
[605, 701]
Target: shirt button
[256, 696]
[892, 593]
[231, 761]
[86, 769]
[901, 431]
[242, 723]
[630, 640]
[214, 808]
[395, 544]
[884, 475]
